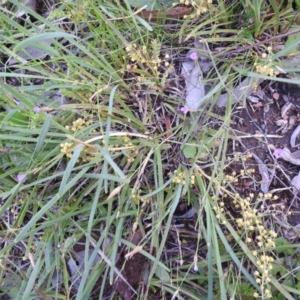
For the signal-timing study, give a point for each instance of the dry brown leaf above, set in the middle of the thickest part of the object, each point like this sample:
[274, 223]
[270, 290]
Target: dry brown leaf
[168, 127]
[115, 192]
[172, 13]
[134, 251]
[131, 268]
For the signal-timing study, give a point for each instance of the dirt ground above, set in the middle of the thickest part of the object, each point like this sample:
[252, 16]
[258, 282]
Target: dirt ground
[266, 122]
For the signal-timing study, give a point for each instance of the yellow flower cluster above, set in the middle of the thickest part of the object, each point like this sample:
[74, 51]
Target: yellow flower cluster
[136, 197]
[200, 6]
[246, 156]
[249, 215]
[262, 276]
[248, 171]
[233, 177]
[220, 209]
[78, 124]
[132, 153]
[85, 155]
[251, 225]
[251, 222]
[67, 149]
[266, 66]
[150, 58]
[180, 178]
[267, 69]
[230, 178]
[238, 157]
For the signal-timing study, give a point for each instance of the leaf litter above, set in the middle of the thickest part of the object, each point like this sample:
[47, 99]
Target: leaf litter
[271, 150]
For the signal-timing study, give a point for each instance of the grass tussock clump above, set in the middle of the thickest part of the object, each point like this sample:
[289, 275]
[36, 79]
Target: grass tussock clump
[109, 188]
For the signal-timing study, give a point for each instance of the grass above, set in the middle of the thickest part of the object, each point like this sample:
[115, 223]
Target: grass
[94, 125]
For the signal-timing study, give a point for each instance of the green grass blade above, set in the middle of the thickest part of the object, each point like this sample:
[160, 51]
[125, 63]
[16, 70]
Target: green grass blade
[32, 279]
[42, 137]
[69, 169]
[40, 37]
